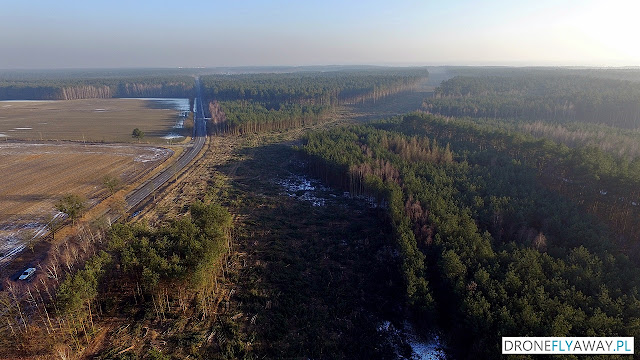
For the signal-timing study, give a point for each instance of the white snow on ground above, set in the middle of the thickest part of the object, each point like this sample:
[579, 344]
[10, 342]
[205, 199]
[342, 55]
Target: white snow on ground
[302, 188]
[429, 347]
[14, 238]
[424, 348]
[157, 154]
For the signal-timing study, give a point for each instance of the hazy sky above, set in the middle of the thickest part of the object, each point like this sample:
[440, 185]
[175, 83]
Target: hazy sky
[137, 33]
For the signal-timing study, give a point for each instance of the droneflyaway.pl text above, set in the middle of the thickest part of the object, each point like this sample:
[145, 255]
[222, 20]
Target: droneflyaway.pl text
[567, 345]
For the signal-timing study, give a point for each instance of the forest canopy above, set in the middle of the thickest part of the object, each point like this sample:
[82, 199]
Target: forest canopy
[492, 227]
[557, 97]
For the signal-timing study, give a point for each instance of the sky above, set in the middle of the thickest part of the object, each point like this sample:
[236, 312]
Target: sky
[139, 33]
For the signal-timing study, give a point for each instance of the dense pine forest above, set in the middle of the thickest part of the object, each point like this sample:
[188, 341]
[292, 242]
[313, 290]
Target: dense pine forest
[554, 98]
[321, 88]
[266, 102]
[498, 233]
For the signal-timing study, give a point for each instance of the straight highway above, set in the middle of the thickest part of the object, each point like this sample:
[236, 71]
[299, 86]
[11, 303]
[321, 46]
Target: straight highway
[200, 133]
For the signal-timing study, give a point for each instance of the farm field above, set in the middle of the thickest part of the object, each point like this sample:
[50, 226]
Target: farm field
[95, 120]
[34, 176]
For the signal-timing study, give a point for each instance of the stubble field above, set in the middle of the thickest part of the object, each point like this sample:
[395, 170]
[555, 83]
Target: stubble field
[95, 120]
[34, 176]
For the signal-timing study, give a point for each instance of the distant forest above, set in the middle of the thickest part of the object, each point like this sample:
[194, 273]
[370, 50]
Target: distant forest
[72, 89]
[265, 102]
[321, 85]
[562, 96]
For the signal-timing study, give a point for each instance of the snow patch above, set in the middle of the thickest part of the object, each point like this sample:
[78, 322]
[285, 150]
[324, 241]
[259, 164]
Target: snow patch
[156, 155]
[15, 237]
[422, 347]
[304, 189]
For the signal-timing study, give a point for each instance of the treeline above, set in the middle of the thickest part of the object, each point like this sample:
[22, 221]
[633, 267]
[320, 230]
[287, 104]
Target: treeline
[158, 272]
[616, 141]
[240, 117]
[547, 96]
[273, 102]
[489, 248]
[317, 88]
[86, 88]
[628, 74]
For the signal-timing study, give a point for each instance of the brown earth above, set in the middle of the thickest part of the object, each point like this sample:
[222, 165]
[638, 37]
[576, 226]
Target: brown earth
[34, 176]
[97, 120]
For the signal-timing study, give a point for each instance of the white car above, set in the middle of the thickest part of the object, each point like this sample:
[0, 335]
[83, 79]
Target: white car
[27, 274]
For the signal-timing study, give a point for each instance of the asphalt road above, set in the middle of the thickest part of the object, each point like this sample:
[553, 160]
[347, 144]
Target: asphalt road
[200, 133]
